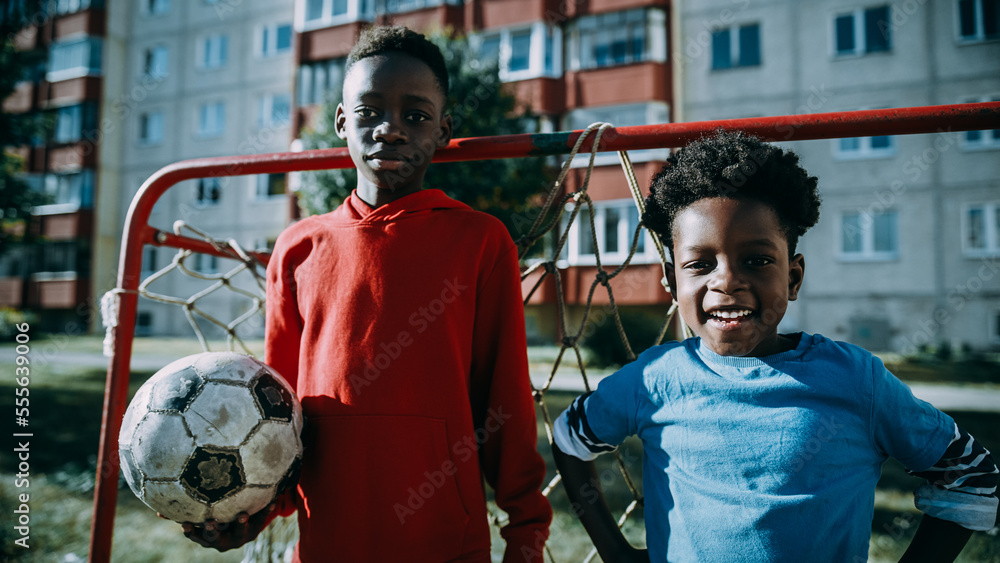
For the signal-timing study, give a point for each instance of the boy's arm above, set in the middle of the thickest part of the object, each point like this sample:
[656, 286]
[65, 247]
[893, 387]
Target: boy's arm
[583, 487]
[502, 406]
[960, 497]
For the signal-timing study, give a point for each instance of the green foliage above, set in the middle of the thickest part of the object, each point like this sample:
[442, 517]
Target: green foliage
[605, 345]
[480, 106]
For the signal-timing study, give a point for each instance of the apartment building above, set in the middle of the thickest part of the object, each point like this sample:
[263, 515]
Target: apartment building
[55, 277]
[907, 249]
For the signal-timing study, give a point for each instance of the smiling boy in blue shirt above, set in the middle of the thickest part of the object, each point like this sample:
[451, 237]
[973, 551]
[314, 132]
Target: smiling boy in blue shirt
[760, 446]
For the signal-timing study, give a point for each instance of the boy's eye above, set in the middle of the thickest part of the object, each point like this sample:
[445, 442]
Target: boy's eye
[760, 261]
[365, 113]
[697, 265]
[418, 117]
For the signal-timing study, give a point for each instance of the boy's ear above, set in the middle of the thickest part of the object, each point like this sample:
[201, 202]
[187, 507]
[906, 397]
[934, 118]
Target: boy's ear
[796, 271]
[446, 131]
[671, 279]
[340, 122]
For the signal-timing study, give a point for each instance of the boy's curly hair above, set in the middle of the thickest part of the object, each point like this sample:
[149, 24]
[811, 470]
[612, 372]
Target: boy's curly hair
[733, 164]
[378, 40]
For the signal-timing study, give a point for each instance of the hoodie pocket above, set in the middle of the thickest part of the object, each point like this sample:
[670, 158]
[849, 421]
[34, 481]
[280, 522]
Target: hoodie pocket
[372, 481]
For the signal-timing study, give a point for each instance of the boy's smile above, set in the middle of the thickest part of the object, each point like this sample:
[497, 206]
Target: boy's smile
[732, 276]
[393, 120]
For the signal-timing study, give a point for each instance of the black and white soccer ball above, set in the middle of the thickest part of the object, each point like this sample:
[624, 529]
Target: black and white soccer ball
[209, 436]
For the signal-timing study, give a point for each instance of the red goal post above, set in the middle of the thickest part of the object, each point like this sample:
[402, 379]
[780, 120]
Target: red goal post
[138, 233]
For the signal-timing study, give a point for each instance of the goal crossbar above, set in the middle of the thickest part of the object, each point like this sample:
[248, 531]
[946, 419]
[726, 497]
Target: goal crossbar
[138, 233]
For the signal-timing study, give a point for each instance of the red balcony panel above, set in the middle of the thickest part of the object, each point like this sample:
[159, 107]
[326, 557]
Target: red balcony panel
[542, 95]
[329, 42]
[27, 39]
[21, 100]
[487, 14]
[431, 19]
[639, 284]
[67, 226]
[72, 157]
[608, 182]
[604, 86]
[57, 293]
[11, 292]
[305, 116]
[75, 89]
[602, 6]
[545, 293]
[89, 22]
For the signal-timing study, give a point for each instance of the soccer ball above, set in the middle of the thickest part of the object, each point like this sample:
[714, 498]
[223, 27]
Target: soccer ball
[209, 436]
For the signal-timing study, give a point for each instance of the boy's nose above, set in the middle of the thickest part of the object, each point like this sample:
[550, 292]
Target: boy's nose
[727, 279]
[389, 132]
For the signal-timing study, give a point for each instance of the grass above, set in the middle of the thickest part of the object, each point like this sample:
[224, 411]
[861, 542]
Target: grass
[66, 404]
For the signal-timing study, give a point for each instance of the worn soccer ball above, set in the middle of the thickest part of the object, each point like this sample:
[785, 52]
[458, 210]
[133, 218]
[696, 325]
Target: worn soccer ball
[209, 436]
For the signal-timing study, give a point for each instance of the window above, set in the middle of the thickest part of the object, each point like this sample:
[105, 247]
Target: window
[985, 138]
[151, 128]
[148, 260]
[862, 31]
[211, 119]
[157, 7]
[270, 185]
[74, 123]
[397, 6]
[206, 263]
[316, 79]
[67, 192]
[866, 236]
[617, 38]
[214, 51]
[273, 110]
[207, 191]
[144, 323]
[620, 116]
[64, 7]
[615, 222]
[154, 62]
[275, 39]
[736, 46]
[978, 20]
[324, 13]
[981, 229]
[521, 53]
[853, 148]
[74, 58]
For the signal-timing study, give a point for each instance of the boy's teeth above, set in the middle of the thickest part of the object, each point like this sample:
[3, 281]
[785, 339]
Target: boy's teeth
[731, 314]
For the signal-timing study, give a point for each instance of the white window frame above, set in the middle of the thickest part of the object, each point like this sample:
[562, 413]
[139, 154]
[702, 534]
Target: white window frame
[860, 37]
[989, 139]
[213, 51]
[644, 113]
[211, 120]
[68, 124]
[159, 55]
[980, 35]
[734, 47]
[573, 255]
[88, 44]
[542, 36]
[206, 264]
[865, 150]
[655, 32]
[357, 10]
[265, 111]
[153, 118]
[867, 233]
[991, 230]
[267, 47]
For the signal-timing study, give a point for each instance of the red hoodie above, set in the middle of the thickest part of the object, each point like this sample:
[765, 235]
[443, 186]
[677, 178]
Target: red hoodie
[402, 330]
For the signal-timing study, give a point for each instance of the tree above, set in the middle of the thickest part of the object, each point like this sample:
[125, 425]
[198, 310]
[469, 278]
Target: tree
[480, 106]
[16, 198]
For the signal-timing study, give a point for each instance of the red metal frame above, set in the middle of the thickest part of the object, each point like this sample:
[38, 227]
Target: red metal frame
[138, 233]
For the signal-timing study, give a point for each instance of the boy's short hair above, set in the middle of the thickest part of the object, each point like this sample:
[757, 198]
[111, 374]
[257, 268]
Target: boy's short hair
[378, 40]
[733, 164]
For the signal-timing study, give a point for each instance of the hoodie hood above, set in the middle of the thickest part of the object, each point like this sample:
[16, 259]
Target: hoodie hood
[356, 211]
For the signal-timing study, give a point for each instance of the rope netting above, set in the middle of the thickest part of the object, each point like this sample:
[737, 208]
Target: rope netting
[555, 219]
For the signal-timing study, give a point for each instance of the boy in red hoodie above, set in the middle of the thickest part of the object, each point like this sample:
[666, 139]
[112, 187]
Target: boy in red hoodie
[398, 319]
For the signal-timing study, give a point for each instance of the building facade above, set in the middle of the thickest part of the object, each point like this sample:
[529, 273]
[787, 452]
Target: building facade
[906, 253]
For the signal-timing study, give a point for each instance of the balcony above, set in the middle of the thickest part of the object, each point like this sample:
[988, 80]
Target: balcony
[87, 22]
[542, 95]
[57, 291]
[11, 292]
[603, 86]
